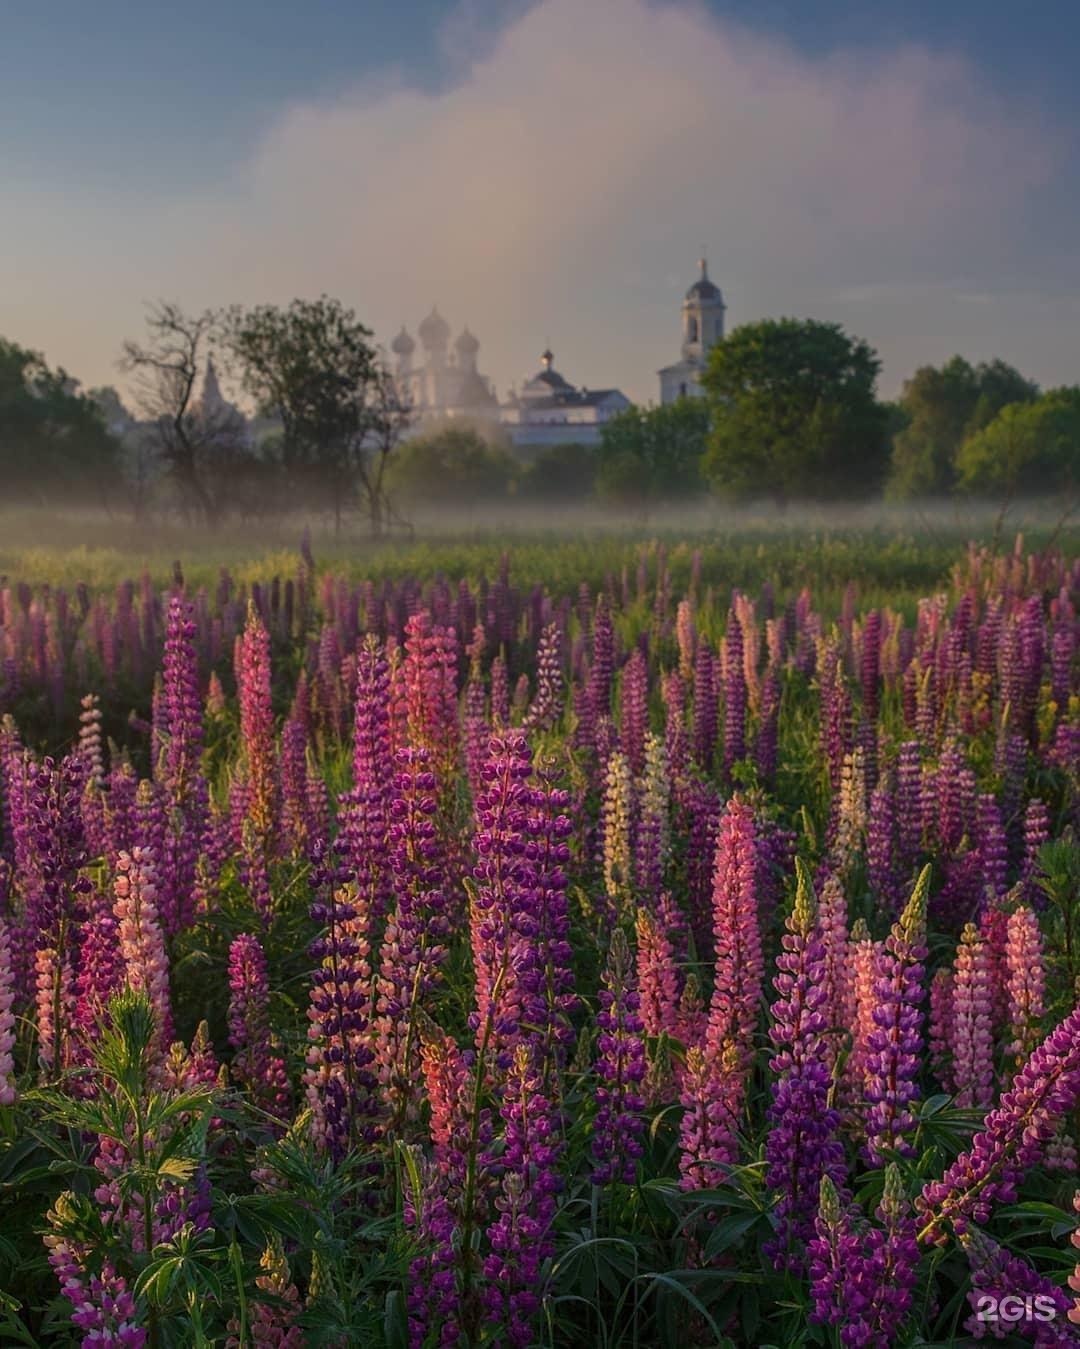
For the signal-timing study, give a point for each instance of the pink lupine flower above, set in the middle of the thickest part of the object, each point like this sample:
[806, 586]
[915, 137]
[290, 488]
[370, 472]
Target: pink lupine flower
[864, 953]
[429, 675]
[659, 977]
[739, 969]
[972, 1036]
[141, 939]
[1026, 982]
[272, 1324]
[257, 725]
[713, 1092]
[634, 719]
[839, 1007]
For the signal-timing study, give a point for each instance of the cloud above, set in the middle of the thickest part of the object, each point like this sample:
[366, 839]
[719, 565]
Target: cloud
[560, 187]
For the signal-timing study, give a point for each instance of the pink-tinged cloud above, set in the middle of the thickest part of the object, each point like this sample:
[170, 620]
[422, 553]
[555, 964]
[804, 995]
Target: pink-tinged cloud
[561, 188]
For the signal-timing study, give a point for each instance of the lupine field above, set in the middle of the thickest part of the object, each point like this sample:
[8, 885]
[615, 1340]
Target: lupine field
[636, 961]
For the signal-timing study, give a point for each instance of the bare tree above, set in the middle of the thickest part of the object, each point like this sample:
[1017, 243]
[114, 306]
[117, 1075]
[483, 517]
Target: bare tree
[390, 415]
[194, 440]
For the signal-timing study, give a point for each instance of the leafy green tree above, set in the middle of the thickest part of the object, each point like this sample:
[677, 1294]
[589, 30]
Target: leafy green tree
[1029, 449]
[653, 453]
[942, 408]
[312, 366]
[794, 412]
[53, 439]
[451, 464]
[560, 473]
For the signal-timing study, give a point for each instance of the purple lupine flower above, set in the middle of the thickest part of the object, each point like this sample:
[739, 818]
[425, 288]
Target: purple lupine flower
[7, 1019]
[803, 1144]
[365, 815]
[909, 804]
[259, 1068]
[882, 846]
[735, 695]
[870, 666]
[895, 1043]
[991, 846]
[520, 1238]
[413, 946]
[862, 1278]
[634, 712]
[835, 712]
[704, 713]
[104, 1308]
[1036, 833]
[1014, 1135]
[620, 1068]
[602, 666]
[997, 1275]
[297, 827]
[518, 919]
[338, 1081]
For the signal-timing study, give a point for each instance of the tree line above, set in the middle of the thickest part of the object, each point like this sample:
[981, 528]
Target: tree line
[789, 411]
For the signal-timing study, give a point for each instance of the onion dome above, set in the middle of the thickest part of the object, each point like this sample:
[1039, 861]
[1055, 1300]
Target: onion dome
[466, 345]
[703, 288]
[434, 331]
[403, 345]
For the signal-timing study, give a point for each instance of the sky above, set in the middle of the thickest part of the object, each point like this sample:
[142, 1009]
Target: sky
[548, 172]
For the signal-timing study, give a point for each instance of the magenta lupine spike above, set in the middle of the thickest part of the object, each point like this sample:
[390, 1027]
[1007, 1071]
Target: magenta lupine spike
[104, 1308]
[1013, 1138]
[140, 936]
[735, 696]
[739, 969]
[940, 1034]
[862, 1278]
[712, 1095]
[894, 1044]
[257, 725]
[996, 1277]
[518, 918]
[658, 974]
[520, 1238]
[7, 1019]
[365, 816]
[972, 1036]
[704, 706]
[256, 1065]
[182, 710]
[992, 847]
[430, 683]
[1025, 971]
[254, 872]
[101, 966]
[870, 666]
[413, 946]
[634, 712]
[802, 1145]
[955, 798]
[620, 1069]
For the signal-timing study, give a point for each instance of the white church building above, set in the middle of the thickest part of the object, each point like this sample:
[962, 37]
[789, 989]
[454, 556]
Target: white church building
[702, 327]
